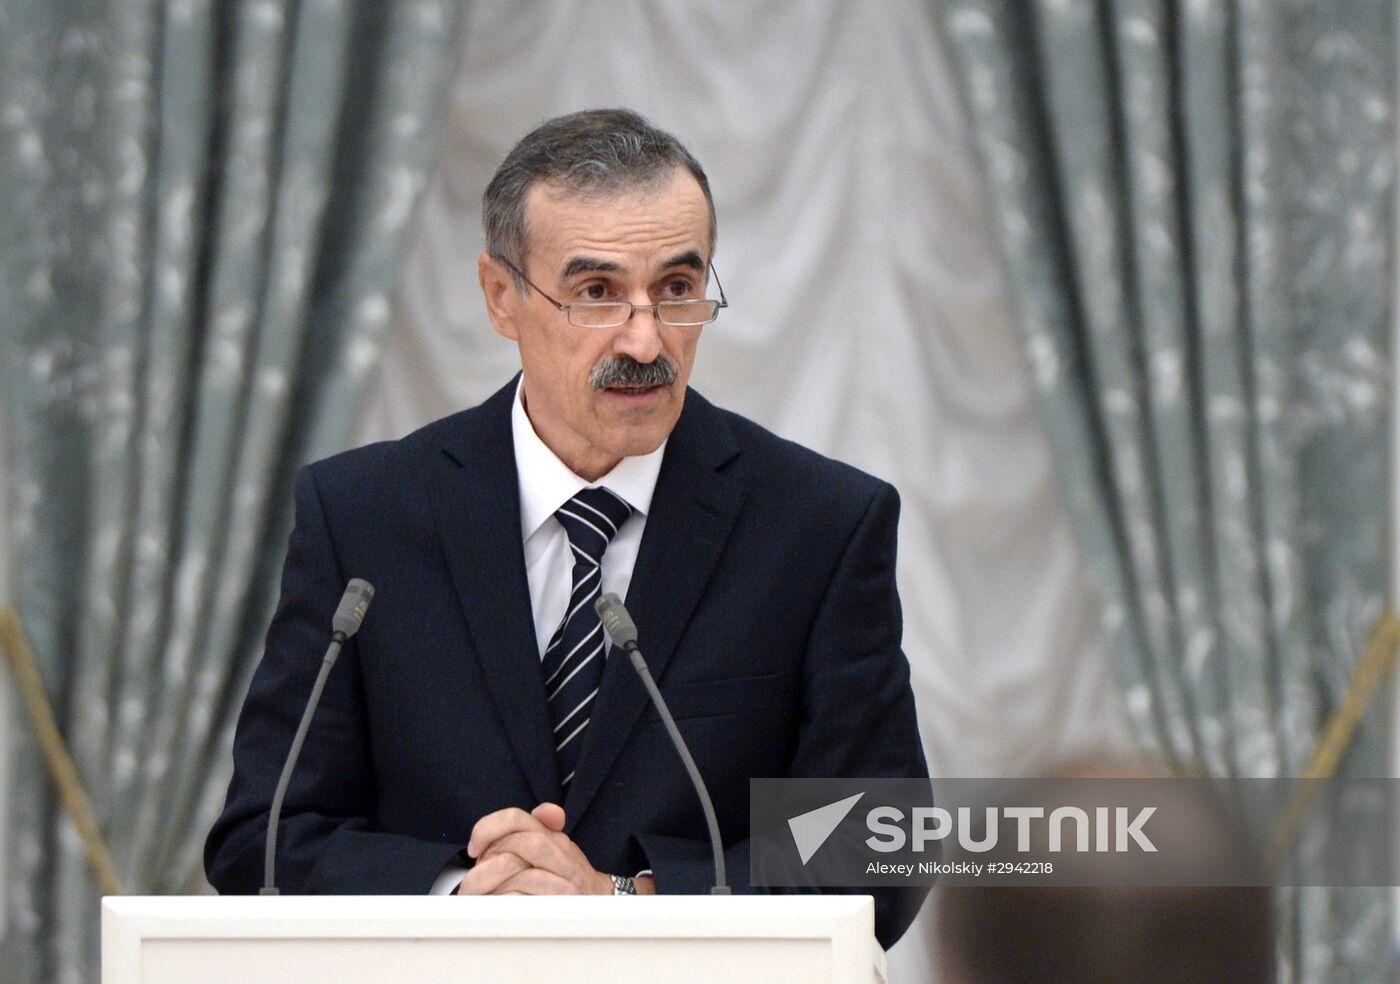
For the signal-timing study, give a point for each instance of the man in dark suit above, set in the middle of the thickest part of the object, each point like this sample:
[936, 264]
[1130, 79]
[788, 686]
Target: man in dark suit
[475, 737]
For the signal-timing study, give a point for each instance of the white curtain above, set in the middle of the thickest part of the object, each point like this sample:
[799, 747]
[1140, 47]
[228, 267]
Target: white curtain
[867, 320]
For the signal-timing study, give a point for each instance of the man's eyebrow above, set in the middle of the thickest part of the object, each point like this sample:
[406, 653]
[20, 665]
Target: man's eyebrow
[587, 264]
[690, 259]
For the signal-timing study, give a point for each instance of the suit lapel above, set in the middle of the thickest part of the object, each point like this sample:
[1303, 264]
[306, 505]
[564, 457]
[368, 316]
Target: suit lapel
[476, 502]
[692, 513]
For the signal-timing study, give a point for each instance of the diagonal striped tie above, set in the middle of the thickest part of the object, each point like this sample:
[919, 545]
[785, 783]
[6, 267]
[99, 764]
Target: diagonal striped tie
[573, 660]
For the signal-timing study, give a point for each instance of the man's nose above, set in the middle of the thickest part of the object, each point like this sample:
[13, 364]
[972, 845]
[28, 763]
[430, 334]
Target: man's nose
[640, 337]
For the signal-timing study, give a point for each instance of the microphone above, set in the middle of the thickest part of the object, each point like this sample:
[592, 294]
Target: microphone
[623, 633]
[345, 623]
[353, 605]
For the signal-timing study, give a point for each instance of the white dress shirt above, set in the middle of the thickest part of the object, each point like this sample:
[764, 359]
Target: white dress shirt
[546, 483]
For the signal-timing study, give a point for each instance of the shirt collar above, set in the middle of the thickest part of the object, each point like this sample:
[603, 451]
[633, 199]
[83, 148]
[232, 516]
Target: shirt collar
[546, 483]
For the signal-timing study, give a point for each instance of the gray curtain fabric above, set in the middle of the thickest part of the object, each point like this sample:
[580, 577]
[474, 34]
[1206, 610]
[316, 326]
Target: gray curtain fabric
[201, 206]
[1193, 201]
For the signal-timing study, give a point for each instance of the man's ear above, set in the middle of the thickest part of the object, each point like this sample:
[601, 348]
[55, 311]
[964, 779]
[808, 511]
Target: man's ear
[503, 301]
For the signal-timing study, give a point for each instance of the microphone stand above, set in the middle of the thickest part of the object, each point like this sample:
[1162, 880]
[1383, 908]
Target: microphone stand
[623, 633]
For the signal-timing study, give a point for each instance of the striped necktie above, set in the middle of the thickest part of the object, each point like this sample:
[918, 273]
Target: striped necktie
[573, 660]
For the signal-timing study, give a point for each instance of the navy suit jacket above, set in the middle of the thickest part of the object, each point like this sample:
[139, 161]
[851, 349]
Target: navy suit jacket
[764, 594]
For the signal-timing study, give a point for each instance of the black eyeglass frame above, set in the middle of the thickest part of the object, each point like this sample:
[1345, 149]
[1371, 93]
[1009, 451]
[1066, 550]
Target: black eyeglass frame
[655, 309]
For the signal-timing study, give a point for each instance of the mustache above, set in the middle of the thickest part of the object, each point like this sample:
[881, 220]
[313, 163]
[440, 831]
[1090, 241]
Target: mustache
[625, 371]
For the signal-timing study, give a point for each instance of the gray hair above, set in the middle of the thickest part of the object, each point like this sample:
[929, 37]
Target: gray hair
[595, 153]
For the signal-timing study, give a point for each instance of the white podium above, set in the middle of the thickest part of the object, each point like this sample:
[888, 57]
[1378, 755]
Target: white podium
[516, 940]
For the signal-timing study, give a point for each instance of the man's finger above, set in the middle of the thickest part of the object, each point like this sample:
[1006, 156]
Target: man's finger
[549, 814]
[534, 881]
[494, 826]
[486, 876]
[545, 850]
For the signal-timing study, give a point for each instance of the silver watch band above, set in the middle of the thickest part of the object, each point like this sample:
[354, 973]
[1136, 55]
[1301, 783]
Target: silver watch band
[623, 886]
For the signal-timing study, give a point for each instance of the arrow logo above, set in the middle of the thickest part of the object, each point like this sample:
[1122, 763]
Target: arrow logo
[811, 829]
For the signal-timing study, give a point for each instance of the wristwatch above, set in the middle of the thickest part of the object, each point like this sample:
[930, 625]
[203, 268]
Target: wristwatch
[623, 886]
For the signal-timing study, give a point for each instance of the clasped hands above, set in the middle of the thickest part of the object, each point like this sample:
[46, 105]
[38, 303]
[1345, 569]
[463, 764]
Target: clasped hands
[519, 853]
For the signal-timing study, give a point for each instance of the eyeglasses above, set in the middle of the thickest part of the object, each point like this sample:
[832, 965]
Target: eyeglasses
[613, 314]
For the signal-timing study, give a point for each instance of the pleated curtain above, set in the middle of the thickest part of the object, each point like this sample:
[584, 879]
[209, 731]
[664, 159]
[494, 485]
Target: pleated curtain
[1194, 207]
[201, 206]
